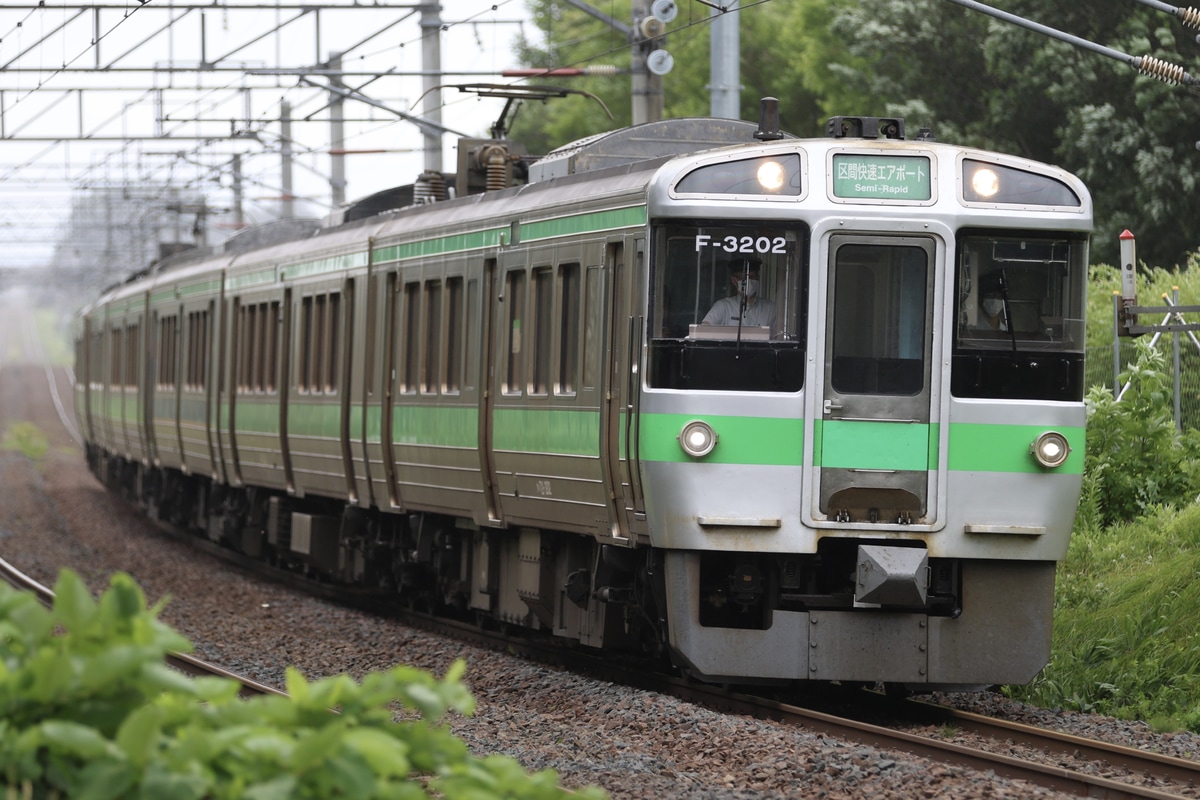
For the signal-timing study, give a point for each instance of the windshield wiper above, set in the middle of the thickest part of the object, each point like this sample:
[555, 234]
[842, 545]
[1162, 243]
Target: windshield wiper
[1008, 326]
[737, 351]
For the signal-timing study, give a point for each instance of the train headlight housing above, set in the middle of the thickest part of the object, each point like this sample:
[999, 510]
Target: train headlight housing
[697, 438]
[999, 184]
[1050, 449]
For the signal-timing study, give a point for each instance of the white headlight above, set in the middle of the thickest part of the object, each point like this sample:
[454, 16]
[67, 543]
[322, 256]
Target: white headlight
[1050, 449]
[985, 182]
[771, 176]
[697, 438]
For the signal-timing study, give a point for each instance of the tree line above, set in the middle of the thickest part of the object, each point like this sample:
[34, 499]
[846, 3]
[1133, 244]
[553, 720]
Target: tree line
[972, 79]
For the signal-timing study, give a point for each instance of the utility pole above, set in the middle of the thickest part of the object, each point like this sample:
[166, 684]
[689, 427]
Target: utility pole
[431, 65]
[287, 208]
[725, 56]
[239, 216]
[337, 134]
[647, 87]
[647, 90]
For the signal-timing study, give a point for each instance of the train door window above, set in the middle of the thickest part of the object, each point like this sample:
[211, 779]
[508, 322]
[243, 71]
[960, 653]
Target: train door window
[166, 358]
[320, 340]
[257, 347]
[472, 334]
[879, 320]
[454, 335]
[592, 301]
[96, 360]
[316, 341]
[543, 329]
[242, 348]
[306, 325]
[412, 337]
[568, 337]
[116, 350]
[132, 350]
[727, 306]
[515, 299]
[1020, 298]
[333, 342]
[433, 336]
[197, 361]
[258, 337]
[271, 347]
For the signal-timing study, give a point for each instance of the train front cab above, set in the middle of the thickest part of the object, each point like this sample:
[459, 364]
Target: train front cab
[854, 492]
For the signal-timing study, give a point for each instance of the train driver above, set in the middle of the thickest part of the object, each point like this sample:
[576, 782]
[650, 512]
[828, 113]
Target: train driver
[991, 304]
[745, 305]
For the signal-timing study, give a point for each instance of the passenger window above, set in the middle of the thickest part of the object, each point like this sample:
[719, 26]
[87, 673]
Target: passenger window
[514, 298]
[568, 336]
[543, 329]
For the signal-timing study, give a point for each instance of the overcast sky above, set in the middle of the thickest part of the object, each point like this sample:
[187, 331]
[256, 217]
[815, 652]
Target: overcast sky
[39, 178]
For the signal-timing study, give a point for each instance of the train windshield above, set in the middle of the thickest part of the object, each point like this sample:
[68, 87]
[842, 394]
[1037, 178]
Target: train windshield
[1019, 299]
[727, 307]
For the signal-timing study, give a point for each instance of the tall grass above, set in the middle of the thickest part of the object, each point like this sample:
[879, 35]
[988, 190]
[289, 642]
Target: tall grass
[1128, 594]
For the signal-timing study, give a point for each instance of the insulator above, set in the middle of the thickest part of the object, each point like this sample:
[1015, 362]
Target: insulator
[429, 188]
[602, 69]
[1190, 17]
[497, 170]
[1164, 71]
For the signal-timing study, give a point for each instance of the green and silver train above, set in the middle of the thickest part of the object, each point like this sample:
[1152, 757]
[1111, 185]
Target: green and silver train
[777, 409]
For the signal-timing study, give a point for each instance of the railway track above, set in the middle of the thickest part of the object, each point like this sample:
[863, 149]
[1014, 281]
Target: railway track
[181, 661]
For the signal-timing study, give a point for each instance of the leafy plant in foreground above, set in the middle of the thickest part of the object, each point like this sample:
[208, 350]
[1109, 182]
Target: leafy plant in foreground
[88, 709]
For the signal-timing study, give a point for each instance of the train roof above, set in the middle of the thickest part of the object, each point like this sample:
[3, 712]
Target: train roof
[649, 141]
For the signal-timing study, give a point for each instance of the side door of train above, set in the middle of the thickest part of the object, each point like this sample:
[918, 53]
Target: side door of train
[163, 385]
[546, 405]
[621, 357]
[876, 435]
[316, 410]
[257, 351]
[198, 378]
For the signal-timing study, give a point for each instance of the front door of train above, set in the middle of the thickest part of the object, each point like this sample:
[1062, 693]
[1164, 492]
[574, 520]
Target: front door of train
[875, 448]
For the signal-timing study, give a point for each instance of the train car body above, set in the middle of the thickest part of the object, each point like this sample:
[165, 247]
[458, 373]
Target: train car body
[516, 404]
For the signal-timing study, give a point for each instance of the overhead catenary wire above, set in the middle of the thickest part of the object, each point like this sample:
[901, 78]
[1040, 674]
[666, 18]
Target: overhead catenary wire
[1147, 65]
[1190, 17]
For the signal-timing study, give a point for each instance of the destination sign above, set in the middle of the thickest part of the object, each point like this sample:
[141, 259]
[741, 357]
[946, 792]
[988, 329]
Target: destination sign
[879, 177]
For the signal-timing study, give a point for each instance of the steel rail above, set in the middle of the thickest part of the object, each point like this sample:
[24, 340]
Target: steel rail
[181, 661]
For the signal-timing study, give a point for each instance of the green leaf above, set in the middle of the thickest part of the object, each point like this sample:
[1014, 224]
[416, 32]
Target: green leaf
[77, 740]
[104, 780]
[160, 783]
[73, 605]
[158, 678]
[139, 734]
[386, 754]
[282, 787]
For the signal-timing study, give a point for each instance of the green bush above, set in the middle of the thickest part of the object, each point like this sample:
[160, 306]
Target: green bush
[89, 709]
[1136, 459]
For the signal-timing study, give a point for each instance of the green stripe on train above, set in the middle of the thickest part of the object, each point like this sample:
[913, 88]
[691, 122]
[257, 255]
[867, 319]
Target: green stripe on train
[740, 440]
[557, 431]
[1005, 448]
[860, 444]
[584, 223]
[441, 245]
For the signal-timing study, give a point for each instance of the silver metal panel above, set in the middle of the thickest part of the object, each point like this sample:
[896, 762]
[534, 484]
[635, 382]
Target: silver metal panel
[868, 646]
[1003, 633]
[776, 653]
